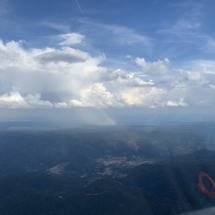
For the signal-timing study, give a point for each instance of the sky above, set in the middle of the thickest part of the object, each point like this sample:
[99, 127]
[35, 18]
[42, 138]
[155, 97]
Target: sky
[116, 54]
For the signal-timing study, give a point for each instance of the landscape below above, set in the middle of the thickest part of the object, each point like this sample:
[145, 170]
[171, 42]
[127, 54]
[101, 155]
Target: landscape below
[106, 170]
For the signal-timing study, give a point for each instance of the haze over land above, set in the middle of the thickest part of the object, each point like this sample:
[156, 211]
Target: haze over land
[106, 170]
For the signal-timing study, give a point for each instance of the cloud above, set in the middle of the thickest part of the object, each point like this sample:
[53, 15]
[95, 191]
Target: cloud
[117, 37]
[180, 103]
[15, 100]
[95, 95]
[60, 27]
[210, 43]
[66, 55]
[182, 27]
[187, 27]
[128, 57]
[145, 97]
[66, 77]
[4, 7]
[129, 36]
[206, 66]
[70, 39]
[153, 68]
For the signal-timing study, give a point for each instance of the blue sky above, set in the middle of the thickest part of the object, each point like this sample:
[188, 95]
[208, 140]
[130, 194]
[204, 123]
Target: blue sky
[107, 54]
[180, 30]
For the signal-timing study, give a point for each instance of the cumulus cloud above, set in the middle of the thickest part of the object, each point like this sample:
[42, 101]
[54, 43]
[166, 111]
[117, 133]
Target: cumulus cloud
[95, 95]
[180, 103]
[15, 100]
[145, 97]
[68, 77]
[153, 68]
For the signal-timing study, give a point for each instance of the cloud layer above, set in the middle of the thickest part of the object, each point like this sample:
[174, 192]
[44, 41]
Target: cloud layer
[65, 77]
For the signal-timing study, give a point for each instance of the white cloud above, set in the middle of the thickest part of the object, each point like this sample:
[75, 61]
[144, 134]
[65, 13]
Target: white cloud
[15, 100]
[66, 77]
[70, 39]
[153, 68]
[145, 97]
[206, 66]
[180, 103]
[95, 95]
[128, 57]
